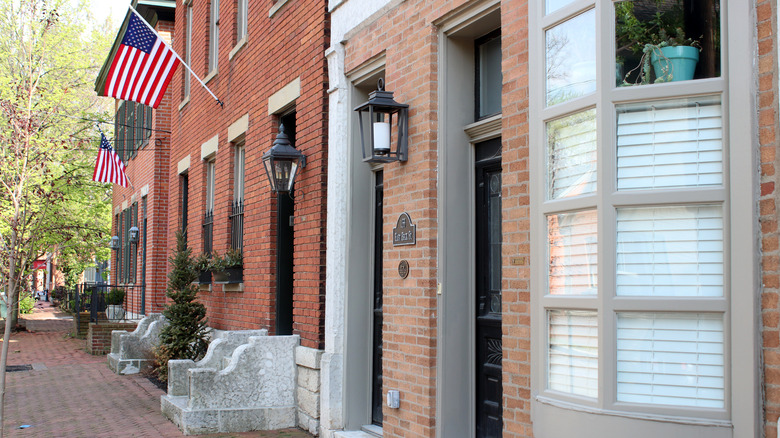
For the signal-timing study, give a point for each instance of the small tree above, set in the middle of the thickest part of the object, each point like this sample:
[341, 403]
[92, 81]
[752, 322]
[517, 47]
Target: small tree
[185, 335]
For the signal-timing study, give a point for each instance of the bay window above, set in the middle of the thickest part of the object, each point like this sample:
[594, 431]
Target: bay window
[631, 225]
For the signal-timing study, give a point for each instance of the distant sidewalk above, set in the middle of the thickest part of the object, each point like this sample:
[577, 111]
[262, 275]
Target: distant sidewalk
[46, 318]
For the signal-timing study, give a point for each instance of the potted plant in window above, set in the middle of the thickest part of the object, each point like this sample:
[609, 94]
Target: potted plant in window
[658, 40]
[114, 300]
[203, 265]
[227, 268]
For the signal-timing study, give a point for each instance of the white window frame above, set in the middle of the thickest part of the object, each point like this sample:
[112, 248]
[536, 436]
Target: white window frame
[557, 414]
[213, 38]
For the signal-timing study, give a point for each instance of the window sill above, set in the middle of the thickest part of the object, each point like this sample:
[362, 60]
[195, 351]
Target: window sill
[373, 430]
[233, 287]
[211, 76]
[184, 102]
[560, 408]
[276, 7]
[236, 49]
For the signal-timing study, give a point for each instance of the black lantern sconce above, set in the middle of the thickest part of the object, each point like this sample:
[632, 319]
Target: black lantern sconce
[133, 235]
[381, 113]
[282, 163]
[114, 243]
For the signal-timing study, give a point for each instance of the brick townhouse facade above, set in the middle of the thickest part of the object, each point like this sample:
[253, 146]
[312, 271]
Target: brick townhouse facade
[264, 62]
[142, 140]
[591, 258]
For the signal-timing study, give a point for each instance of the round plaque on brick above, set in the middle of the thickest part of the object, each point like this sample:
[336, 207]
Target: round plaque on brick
[403, 269]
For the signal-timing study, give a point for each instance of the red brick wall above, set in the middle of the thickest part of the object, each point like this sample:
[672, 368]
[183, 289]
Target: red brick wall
[410, 45]
[516, 317]
[767, 123]
[279, 49]
[150, 167]
[99, 335]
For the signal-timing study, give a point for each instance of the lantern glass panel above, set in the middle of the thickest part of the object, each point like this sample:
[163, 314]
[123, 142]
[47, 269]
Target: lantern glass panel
[282, 170]
[268, 163]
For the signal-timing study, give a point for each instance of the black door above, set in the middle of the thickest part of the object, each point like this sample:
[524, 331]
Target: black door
[376, 359]
[488, 288]
[284, 264]
[285, 239]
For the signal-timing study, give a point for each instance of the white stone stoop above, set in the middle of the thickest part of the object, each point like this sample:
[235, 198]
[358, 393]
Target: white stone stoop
[132, 352]
[254, 390]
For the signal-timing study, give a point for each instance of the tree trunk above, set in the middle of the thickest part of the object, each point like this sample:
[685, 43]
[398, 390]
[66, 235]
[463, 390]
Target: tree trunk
[11, 303]
[3, 362]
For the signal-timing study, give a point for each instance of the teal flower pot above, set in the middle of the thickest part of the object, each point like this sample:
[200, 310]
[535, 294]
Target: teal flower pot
[676, 63]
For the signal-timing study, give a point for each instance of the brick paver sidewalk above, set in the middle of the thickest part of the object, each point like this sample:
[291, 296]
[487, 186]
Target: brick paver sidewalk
[70, 393]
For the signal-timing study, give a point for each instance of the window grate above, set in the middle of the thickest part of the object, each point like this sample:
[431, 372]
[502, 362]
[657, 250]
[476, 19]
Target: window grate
[208, 232]
[237, 225]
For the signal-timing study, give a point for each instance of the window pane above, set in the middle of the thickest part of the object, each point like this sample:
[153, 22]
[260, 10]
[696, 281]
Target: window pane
[670, 251]
[573, 356]
[553, 5]
[489, 76]
[689, 29]
[571, 58]
[673, 143]
[670, 359]
[571, 162]
[573, 253]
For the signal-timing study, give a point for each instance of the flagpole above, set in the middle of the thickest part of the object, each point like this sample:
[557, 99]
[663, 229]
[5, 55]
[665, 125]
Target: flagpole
[222, 104]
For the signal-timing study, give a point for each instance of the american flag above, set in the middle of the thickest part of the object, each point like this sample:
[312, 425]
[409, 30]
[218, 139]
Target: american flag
[108, 167]
[142, 67]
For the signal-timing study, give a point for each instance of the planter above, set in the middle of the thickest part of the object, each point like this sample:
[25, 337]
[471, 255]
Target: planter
[204, 277]
[677, 63]
[229, 276]
[115, 312]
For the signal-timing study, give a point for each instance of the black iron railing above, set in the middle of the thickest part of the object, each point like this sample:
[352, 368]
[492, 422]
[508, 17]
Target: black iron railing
[237, 224]
[208, 232]
[106, 302]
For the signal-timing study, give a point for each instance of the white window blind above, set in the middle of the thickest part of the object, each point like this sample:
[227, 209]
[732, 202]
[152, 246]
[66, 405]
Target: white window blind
[573, 253]
[670, 251]
[571, 161]
[670, 359]
[573, 352]
[238, 184]
[214, 36]
[210, 180]
[188, 50]
[241, 18]
[674, 143]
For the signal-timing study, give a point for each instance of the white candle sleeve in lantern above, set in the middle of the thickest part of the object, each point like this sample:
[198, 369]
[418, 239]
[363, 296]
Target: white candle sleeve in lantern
[381, 137]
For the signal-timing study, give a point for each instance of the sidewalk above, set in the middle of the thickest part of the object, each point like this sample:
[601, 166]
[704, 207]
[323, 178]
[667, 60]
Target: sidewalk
[70, 393]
